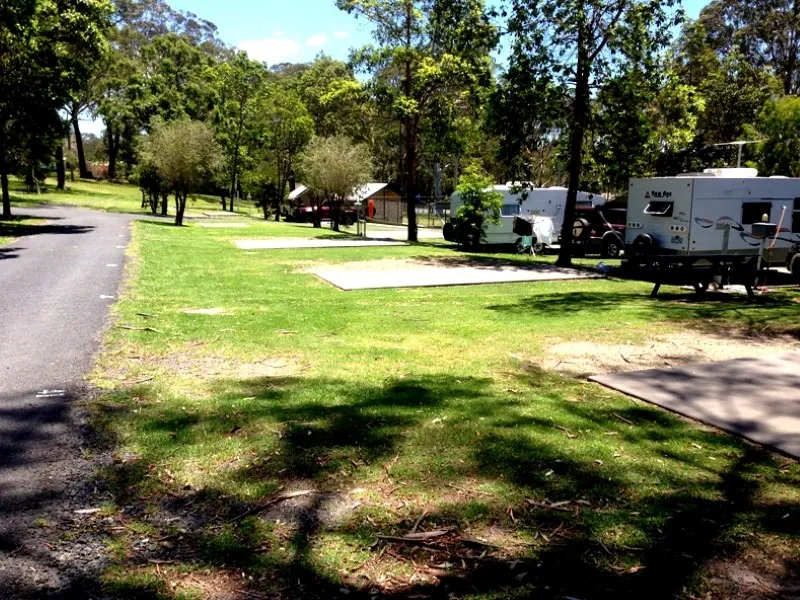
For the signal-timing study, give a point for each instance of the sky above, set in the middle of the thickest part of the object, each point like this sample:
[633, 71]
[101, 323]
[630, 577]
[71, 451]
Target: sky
[275, 31]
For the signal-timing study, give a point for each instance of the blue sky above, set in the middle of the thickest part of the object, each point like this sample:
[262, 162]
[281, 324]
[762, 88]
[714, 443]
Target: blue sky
[296, 30]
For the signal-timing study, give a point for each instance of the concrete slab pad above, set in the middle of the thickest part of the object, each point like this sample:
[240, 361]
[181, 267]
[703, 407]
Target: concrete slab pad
[757, 398]
[220, 213]
[438, 276]
[289, 243]
[223, 225]
[377, 232]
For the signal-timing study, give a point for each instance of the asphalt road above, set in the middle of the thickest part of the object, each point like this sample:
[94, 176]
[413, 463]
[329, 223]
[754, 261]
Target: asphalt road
[56, 286]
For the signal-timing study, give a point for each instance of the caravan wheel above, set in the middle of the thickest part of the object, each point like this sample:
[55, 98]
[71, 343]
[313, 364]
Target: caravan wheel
[612, 248]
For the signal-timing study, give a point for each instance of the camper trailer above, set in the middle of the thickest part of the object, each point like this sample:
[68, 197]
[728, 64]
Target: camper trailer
[713, 214]
[542, 206]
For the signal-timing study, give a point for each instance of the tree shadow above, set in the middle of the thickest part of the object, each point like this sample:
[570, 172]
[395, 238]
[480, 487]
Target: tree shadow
[734, 316]
[20, 226]
[323, 435]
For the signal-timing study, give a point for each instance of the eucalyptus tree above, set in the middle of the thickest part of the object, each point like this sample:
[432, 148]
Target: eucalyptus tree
[238, 83]
[574, 45]
[424, 50]
[282, 129]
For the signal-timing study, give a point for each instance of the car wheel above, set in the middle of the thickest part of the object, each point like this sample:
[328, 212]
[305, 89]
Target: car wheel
[612, 249]
[795, 268]
[448, 232]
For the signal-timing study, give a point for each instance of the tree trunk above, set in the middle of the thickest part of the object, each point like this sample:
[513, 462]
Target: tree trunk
[4, 174]
[83, 172]
[164, 203]
[335, 214]
[61, 174]
[579, 117]
[409, 135]
[411, 184]
[31, 181]
[180, 206]
[113, 151]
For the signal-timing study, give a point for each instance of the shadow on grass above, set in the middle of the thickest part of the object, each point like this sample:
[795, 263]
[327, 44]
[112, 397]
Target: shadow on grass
[321, 435]
[733, 316]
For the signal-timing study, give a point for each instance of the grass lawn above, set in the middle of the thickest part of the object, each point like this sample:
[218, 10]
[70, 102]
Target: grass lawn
[424, 410]
[102, 195]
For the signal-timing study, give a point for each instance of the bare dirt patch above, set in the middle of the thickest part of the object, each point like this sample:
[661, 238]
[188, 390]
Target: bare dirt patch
[582, 358]
[187, 363]
[205, 311]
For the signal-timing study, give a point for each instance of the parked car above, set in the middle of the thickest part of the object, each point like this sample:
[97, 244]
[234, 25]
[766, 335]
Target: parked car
[305, 214]
[793, 262]
[599, 230]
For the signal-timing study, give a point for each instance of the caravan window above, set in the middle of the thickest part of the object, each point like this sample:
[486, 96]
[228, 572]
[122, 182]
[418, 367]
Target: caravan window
[753, 212]
[509, 210]
[659, 209]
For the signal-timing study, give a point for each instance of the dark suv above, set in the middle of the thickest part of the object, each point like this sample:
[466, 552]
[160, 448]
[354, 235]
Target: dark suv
[599, 230]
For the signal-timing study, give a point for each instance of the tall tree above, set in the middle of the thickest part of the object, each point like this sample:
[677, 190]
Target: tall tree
[238, 83]
[576, 44]
[282, 131]
[766, 32]
[424, 49]
[46, 50]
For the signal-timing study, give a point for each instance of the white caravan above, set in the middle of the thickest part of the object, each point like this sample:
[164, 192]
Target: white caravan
[712, 213]
[542, 206]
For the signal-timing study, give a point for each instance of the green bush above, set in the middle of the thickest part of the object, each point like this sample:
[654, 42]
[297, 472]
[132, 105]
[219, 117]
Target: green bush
[480, 205]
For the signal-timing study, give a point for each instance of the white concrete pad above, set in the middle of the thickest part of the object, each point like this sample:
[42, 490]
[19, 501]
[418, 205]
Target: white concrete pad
[289, 243]
[436, 276]
[220, 213]
[378, 232]
[223, 225]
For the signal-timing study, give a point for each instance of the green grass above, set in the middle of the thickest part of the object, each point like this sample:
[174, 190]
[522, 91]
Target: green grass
[101, 195]
[397, 401]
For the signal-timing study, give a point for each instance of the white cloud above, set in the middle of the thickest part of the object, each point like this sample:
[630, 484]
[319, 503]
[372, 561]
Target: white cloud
[317, 41]
[341, 35]
[271, 50]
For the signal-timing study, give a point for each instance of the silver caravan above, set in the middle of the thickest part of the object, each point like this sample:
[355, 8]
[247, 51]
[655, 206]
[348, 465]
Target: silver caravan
[712, 213]
[545, 205]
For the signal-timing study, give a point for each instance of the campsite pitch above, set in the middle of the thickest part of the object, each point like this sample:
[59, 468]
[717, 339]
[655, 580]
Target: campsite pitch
[757, 398]
[290, 243]
[442, 275]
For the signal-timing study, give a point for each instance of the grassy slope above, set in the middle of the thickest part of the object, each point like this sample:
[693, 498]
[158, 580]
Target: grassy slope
[412, 400]
[100, 195]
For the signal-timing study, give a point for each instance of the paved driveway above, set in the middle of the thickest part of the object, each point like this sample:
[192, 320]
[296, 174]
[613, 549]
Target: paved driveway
[56, 285]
